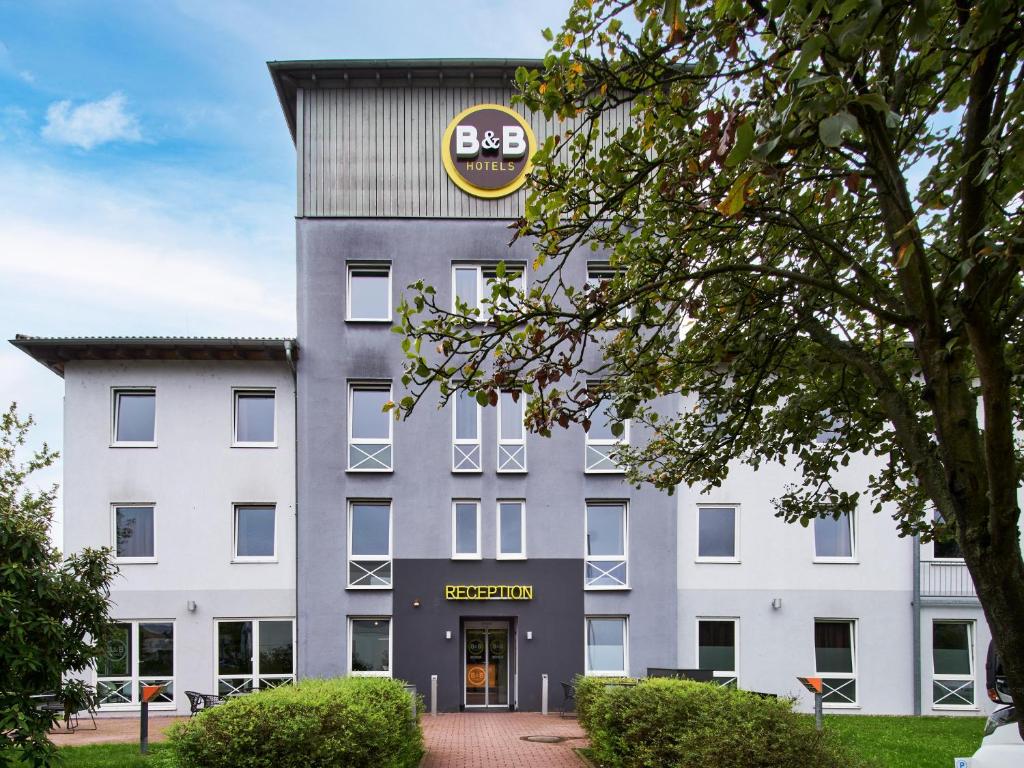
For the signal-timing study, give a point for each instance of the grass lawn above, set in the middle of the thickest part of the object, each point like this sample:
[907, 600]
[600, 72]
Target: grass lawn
[908, 742]
[111, 756]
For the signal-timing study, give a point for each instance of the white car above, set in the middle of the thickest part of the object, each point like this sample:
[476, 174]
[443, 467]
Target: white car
[1002, 746]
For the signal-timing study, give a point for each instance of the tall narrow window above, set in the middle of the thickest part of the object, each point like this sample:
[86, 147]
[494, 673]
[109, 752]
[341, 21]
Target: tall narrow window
[370, 647]
[716, 649]
[369, 428]
[254, 654]
[511, 433]
[465, 433]
[599, 279]
[601, 440]
[134, 533]
[369, 545]
[511, 530]
[606, 646]
[946, 547]
[138, 653]
[953, 665]
[465, 530]
[606, 545]
[835, 660]
[134, 417]
[255, 532]
[255, 420]
[717, 534]
[833, 537]
[369, 292]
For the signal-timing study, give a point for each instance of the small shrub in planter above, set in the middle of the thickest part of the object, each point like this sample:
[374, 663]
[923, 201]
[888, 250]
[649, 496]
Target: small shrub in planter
[354, 722]
[664, 722]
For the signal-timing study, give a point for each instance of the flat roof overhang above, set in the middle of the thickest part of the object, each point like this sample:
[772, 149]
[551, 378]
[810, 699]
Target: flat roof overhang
[54, 352]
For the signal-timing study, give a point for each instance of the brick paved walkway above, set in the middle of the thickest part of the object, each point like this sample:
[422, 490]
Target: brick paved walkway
[494, 740]
[113, 730]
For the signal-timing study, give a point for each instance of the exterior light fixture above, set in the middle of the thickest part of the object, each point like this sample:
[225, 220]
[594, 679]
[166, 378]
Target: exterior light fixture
[191, 605]
[776, 603]
[416, 603]
[529, 634]
[447, 634]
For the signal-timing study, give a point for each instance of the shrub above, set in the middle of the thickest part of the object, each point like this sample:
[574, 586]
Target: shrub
[664, 722]
[353, 722]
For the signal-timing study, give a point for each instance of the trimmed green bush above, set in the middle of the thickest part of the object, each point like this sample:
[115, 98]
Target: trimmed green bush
[664, 722]
[355, 722]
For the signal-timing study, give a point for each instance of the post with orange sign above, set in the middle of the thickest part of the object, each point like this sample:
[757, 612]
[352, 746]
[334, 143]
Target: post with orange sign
[813, 684]
[149, 692]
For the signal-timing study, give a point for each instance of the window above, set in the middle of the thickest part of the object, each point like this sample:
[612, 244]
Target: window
[465, 530]
[369, 428]
[134, 417]
[717, 534]
[601, 442]
[255, 532]
[716, 649]
[511, 530]
[835, 660]
[465, 433]
[138, 653]
[597, 275]
[369, 647]
[369, 545]
[255, 420]
[472, 285]
[947, 547]
[606, 646]
[134, 533]
[606, 546]
[511, 433]
[369, 292]
[953, 664]
[834, 537]
[254, 654]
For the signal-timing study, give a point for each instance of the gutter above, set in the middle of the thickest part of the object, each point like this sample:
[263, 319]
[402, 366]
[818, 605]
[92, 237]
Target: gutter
[916, 604]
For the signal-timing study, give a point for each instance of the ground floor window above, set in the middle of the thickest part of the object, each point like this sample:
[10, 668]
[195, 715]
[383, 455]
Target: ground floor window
[953, 664]
[606, 639]
[139, 653]
[369, 646]
[254, 654]
[716, 649]
[835, 658]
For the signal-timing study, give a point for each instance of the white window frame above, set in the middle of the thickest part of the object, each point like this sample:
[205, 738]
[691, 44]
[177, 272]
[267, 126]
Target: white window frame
[521, 554]
[235, 393]
[936, 558]
[625, 646]
[724, 677]
[964, 680]
[736, 534]
[853, 558]
[624, 558]
[391, 646]
[467, 453]
[378, 266]
[370, 559]
[115, 408]
[481, 283]
[512, 451]
[845, 676]
[605, 271]
[237, 558]
[113, 531]
[389, 442]
[463, 555]
[255, 678]
[597, 452]
[134, 678]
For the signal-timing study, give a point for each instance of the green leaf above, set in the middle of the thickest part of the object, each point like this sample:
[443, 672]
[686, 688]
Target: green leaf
[481, 398]
[736, 198]
[808, 53]
[744, 143]
[832, 129]
[874, 100]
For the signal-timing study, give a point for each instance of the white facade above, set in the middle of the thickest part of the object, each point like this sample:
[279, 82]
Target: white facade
[193, 476]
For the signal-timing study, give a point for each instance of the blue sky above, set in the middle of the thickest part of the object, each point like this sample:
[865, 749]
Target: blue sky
[146, 171]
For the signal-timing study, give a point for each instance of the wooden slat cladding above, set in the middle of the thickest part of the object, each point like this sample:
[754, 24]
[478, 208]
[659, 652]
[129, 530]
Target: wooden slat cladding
[376, 152]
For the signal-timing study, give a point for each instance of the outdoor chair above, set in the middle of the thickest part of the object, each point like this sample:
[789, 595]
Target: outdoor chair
[199, 701]
[568, 697]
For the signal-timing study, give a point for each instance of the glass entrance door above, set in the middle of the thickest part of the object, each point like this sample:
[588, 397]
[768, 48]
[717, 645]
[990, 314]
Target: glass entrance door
[487, 664]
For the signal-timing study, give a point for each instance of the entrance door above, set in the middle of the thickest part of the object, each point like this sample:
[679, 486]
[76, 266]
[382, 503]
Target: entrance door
[487, 664]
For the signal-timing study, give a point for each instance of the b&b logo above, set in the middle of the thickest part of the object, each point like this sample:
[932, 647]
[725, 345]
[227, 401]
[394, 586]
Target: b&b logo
[486, 150]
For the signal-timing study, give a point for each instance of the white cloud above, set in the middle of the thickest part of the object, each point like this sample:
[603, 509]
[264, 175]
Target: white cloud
[92, 123]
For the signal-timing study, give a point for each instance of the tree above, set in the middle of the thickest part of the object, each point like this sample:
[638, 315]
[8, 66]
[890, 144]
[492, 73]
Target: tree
[53, 611]
[813, 215]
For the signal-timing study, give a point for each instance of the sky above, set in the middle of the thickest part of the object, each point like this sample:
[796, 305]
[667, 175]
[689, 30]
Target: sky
[147, 178]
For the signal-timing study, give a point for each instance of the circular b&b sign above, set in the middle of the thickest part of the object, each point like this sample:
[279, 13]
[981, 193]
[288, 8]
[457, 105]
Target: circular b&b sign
[486, 150]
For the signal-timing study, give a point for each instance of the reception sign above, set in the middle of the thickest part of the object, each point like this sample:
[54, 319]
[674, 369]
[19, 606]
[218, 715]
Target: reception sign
[488, 592]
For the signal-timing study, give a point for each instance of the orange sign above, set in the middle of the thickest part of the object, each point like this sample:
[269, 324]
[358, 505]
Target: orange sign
[812, 684]
[150, 692]
[476, 674]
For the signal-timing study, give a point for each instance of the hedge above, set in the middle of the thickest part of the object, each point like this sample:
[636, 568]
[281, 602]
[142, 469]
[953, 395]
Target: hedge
[356, 722]
[666, 722]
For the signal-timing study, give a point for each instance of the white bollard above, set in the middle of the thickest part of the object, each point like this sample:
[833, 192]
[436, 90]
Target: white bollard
[544, 694]
[433, 695]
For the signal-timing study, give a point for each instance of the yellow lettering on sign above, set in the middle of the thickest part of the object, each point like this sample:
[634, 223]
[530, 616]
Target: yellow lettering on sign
[488, 592]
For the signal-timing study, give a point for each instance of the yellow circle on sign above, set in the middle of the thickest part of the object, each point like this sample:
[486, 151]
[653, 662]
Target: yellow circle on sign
[464, 184]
